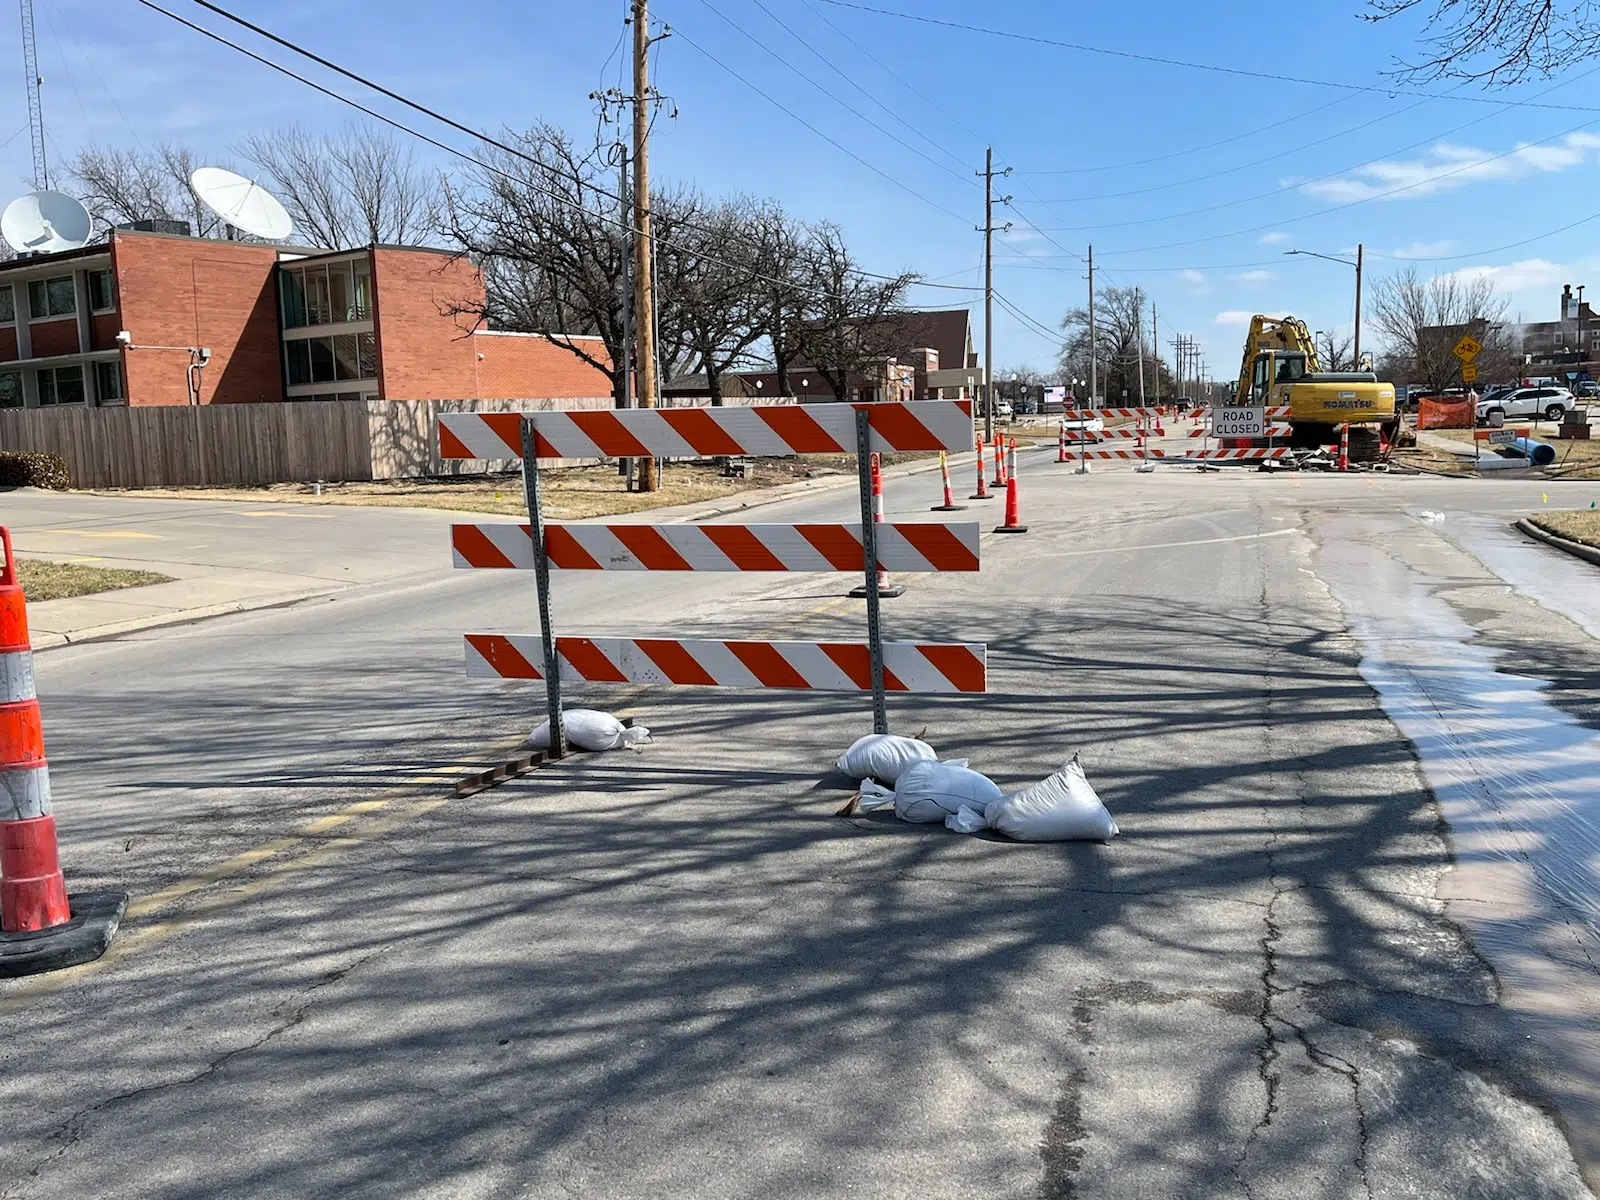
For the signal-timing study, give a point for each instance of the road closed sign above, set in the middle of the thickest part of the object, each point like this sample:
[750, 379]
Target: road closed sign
[1239, 421]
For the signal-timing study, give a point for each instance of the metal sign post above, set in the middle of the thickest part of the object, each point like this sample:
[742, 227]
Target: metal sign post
[869, 554]
[541, 569]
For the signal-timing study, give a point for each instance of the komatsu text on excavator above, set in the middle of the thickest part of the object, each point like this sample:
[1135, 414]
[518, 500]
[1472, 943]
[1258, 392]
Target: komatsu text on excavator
[1281, 368]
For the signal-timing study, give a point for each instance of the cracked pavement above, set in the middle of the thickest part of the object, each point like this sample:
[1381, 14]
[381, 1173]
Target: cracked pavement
[678, 974]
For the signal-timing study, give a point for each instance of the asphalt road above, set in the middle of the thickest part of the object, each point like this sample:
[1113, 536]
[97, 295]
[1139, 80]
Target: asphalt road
[676, 973]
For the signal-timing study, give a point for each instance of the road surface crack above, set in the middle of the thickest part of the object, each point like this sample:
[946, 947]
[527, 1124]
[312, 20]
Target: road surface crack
[72, 1130]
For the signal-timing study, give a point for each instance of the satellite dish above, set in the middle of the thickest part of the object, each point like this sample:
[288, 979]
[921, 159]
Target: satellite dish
[242, 203]
[43, 222]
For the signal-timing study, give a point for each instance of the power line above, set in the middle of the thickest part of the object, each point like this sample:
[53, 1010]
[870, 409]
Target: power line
[1322, 212]
[1538, 237]
[1227, 141]
[1278, 191]
[466, 157]
[893, 74]
[1159, 60]
[796, 117]
[842, 74]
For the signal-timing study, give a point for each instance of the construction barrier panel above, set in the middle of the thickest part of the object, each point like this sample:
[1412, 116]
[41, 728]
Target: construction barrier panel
[913, 546]
[1446, 414]
[822, 666]
[778, 430]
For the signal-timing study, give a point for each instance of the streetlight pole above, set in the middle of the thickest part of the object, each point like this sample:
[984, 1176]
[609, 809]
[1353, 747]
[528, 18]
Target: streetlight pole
[1357, 264]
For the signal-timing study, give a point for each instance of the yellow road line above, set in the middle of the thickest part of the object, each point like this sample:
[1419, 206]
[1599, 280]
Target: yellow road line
[103, 533]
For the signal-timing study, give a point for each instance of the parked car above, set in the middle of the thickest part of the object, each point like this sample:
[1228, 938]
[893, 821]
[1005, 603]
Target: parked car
[1587, 389]
[1003, 410]
[1183, 404]
[1551, 403]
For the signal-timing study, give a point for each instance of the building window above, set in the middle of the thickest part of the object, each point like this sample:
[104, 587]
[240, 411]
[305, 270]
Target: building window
[340, 293]
[363, 290]
[60, 385]
[52, 297]
[108, 381]
[346, 363]
[317, 310]
[102, 295]
[321, 360]
[10, 389]
[293, 283]
[299, 353]
[8, 305]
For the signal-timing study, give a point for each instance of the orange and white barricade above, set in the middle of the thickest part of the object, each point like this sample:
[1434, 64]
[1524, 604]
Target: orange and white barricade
[872, 547]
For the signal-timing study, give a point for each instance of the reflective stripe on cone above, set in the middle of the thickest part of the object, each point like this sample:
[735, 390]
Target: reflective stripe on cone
[16, 677]
[25, 794]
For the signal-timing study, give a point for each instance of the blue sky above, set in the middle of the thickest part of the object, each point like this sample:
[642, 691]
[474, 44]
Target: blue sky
[1169, 170]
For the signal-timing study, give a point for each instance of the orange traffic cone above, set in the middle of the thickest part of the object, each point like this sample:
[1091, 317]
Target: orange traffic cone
[1013, 509]
[999, 479]
[886, 588]
[1344, 447]
[949, 504]
[41, 927]
[983, 485]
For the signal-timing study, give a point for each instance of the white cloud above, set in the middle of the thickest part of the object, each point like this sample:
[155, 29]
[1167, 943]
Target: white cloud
[1235, 316]
[1447, 166]
[1423, 249]
[1197, 281]
[1509, 277]
[1256, 276]
[1276, 238]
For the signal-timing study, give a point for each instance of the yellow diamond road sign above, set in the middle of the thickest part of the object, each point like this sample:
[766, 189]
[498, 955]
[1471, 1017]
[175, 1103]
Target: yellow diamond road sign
[1468, 348]
[1468, 373]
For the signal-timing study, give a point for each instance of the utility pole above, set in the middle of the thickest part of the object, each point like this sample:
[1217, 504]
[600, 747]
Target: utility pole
[1155, 348]
[1138, 324]
[988, 289]
[644, 290]
[625, 466]
[1359, 249]
[1093, 345]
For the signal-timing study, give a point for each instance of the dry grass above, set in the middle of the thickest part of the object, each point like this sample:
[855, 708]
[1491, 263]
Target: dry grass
[1436, 462]
[570, 493]
[1574, 459]
[43, 580]
[1579, 526]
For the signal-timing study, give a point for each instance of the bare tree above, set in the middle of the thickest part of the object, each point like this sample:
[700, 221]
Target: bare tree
[1420, 321]
[122, 186]
[854, 322]
[715, 282]
[1119, 332]
[1336, 351]
[550, 236]
[783, 291]
[356, 187]
[1496, 41]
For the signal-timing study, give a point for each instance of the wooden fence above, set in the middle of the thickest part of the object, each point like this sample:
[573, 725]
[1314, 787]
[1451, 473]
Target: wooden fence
[249, 445]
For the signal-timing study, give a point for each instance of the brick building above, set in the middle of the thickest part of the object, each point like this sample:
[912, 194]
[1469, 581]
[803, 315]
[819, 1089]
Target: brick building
[151, 318]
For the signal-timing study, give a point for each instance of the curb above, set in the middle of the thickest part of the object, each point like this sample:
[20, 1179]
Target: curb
[1577, 549]
[183, 616]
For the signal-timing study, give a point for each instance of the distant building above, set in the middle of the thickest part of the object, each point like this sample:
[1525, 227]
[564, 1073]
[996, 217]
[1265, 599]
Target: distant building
[129, 320]
[931, 359]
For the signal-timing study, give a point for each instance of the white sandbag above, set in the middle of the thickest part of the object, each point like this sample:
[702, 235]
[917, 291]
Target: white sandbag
[928, 792]
[1062, 808]
[966, 820]
[883, 756]
[590, 730]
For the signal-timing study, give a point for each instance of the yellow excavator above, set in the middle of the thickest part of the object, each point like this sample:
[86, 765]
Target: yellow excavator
[1281, 369]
